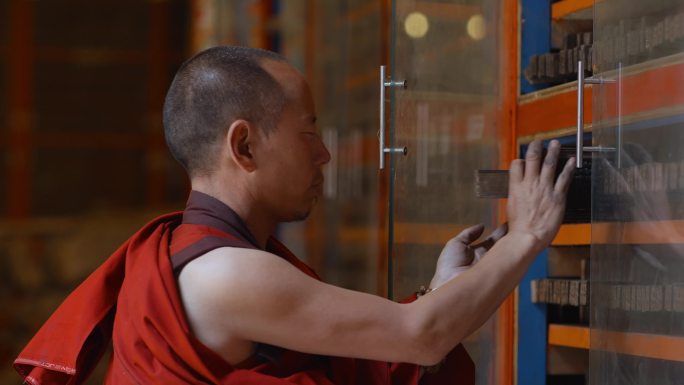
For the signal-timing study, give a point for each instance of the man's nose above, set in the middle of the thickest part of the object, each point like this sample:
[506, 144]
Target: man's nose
[323, 155]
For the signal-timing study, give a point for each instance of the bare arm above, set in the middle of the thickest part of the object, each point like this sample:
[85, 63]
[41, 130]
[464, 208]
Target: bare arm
[256, 296]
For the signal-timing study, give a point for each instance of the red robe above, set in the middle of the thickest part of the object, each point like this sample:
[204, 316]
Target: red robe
[134, 294]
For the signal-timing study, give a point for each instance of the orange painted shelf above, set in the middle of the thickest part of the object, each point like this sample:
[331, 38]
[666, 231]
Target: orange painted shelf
[573, 235]
[639, 344]
[566, 7]
[656, 346]
[569, 336]
[556, 108]
[641, 233]
[551, 110]
[634, 233]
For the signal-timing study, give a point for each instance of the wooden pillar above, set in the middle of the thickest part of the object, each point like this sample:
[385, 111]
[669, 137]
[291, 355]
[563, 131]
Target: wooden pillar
[158, 67]
[384, 175]
[20, 90]
[505, 319]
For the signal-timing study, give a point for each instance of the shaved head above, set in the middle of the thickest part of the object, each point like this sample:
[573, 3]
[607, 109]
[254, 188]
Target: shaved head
[210, 91]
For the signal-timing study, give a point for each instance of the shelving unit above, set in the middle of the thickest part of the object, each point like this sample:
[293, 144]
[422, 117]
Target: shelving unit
[636, 216]
[635, 344]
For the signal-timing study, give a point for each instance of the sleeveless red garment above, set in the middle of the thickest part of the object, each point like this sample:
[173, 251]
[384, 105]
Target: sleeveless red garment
[134, 298]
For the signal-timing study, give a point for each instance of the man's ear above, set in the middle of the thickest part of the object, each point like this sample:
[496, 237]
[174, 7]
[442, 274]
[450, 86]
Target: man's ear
[240, 140]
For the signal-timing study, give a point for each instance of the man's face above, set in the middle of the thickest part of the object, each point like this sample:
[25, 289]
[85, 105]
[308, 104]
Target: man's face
[291, 179]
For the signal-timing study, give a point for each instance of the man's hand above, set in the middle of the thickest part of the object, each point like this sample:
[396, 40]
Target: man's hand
[459, 253]
[535, 203]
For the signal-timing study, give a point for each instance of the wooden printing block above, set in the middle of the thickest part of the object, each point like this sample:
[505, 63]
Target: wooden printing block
[632, 40]
[615, 297]
[656, 303]
[667, 297]
[551, 65]
[541, 67]
[620, 43]
[672, 176]
[678, 298]
[658, 34]
[563, 294]
[584, 293]
[573, 293]
[534, 291]
[627, 298]
[531, 70]
[643, 298]
[563, 62]
[554, 292]
[659, 181]
[670, 28]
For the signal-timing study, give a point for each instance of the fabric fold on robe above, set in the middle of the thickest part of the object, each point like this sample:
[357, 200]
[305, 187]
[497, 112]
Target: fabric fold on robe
[134, 293]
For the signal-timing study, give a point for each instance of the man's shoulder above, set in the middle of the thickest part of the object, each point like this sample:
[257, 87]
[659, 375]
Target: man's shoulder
[226, 267]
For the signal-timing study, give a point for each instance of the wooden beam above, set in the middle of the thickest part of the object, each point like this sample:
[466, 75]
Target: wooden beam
[569, 336]
[20, 87]
[564, 8]
[573, 235]
[662, 347]
[505, 347]
[157, 75]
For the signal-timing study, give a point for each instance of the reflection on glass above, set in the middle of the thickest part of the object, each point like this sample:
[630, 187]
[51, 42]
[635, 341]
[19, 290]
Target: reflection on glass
[637, 258]
[447, 117]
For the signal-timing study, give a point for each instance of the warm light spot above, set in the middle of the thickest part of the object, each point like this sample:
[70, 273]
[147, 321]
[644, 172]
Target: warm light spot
[476, 27]
[416, 25]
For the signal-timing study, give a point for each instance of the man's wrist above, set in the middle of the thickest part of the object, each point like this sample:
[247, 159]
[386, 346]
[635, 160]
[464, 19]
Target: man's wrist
[524, 244]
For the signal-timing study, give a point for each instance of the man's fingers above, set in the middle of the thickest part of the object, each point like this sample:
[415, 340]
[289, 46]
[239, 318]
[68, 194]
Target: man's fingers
[532, 160]
[470, 235]
[479, 253]
[565, 177]
[548, 171]
[515, 173]
[487, 244]
[499, 232]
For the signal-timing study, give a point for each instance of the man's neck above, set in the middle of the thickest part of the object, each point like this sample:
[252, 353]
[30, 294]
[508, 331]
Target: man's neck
[258, 224]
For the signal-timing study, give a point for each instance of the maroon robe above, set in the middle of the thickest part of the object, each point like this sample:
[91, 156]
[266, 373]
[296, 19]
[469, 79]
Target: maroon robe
[133, 300]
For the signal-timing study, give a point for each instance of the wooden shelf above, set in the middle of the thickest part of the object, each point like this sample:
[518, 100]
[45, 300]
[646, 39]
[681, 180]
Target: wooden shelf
[554, 110]
[551, 110]
[639, 344]
[633, 233]
[569, 336]
[636, 344]
[573, 235]
[564, 8]
[638, 233]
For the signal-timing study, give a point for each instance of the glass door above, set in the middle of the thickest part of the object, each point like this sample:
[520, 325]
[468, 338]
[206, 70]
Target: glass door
[447, 118]
[637, 251]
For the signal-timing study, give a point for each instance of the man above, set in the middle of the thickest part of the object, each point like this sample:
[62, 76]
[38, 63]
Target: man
[211, 297]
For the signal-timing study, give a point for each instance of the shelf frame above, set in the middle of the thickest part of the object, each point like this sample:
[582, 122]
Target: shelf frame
[565, 8]
[656, 346]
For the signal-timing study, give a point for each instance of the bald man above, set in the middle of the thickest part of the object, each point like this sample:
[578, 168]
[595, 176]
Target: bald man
[209, 296]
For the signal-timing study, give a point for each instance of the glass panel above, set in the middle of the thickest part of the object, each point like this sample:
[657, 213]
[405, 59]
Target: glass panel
[447, 51]
[341, 238]
[637, 257]
[339, 50]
